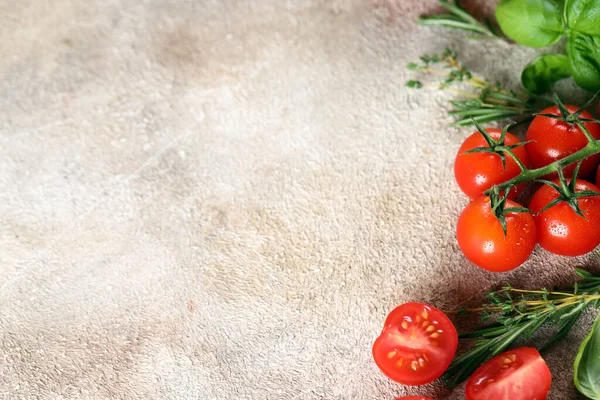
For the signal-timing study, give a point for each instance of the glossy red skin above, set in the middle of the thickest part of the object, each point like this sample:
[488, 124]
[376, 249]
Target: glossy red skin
[481, 238]
[560, 230]
[553, 140]
[526, 378]
[477, 172]
[414, 398]
[405, 336]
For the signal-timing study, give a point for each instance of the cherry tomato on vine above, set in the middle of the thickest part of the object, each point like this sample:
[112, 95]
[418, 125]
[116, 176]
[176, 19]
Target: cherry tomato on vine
[477, 172]
[519, 374]
[414, 398]
[482, 240]
[552, 139]
[560, 230]
[416, 345]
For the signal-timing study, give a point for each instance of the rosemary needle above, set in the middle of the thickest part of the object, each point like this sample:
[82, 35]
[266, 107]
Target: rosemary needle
[518, 314]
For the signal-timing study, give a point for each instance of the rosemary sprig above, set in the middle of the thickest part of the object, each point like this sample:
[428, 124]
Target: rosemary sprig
[459, 18]
[483, 101]
[518, 314]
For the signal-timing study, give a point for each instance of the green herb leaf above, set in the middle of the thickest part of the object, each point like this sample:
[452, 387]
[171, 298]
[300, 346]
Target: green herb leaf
[534, 23]
[541, 73]
[587, 364]
[583, 16]
[414, 84]
[584, 53]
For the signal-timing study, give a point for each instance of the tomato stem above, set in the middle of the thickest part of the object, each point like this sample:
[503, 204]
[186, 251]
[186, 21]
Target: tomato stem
[593, 147]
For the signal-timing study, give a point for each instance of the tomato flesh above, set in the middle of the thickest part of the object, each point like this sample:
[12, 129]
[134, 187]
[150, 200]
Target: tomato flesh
[552, 139]
[482, 240]
[560, 230]
[477, 172]
[416, 345]
[520, 374]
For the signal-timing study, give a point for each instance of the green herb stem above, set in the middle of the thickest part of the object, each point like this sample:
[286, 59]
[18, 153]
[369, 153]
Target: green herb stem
[593, 147]
[518, 314]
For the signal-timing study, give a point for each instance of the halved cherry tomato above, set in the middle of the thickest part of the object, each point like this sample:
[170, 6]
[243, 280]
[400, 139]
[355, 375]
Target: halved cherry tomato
[482, 240]
[559, 229]
[552, 140]
[416, 345]
[477, 172]
[414, 398]
[520, 374]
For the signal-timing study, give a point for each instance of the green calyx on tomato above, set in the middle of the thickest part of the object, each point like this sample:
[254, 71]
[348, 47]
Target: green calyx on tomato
[481, 161]
[499, 146]
[567, 192]
[496, 236]
[560, 131]
[567, 227]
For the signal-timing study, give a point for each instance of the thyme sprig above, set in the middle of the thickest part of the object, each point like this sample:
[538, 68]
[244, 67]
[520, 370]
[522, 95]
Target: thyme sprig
[483, 101]
[518, 314]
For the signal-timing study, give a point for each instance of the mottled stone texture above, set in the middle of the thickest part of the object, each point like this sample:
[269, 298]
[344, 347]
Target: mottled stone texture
[223, 199]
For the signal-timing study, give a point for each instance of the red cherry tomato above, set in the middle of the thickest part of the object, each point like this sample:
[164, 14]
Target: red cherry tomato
[417, 344]
[553, 140]
[477, 172]
[414, 398]
[520, 374]
[559, 229]
[598, 177]
[482, 240]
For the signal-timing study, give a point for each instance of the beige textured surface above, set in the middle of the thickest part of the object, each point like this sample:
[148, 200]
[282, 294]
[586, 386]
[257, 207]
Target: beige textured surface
[223, 199]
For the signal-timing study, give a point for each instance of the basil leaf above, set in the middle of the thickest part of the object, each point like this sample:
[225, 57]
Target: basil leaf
[587, 364]
[541, 73]
[534, 23]
[583, 16]
[584, 53]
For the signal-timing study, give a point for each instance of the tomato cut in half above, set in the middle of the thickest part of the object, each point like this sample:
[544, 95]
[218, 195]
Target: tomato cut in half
[519, 374]
[414, 398]
[417, 344]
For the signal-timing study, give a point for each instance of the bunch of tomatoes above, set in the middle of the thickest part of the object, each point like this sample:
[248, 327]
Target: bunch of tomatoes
[561, 221]
[418, 342]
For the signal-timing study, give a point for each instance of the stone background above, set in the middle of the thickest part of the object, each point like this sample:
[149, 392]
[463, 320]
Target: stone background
[224, 199]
